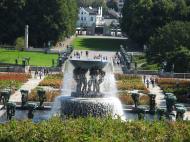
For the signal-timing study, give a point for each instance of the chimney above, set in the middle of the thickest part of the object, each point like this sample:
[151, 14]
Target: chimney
[101, 11]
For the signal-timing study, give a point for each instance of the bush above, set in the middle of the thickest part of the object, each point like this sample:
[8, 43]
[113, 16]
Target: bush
[50, 95]
[130, 82]
[94, 129]
[53, 80]
[19, 43]
[126, 99]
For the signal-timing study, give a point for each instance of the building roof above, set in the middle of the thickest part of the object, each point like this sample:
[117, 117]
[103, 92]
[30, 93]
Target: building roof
[91, 11]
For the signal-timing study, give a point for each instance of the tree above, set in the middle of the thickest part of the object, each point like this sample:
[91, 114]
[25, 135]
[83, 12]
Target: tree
[170, 43]
[142, 18]
[11, 23]
[50, 20]
[181, 59]
[112, 4]
[136, 21]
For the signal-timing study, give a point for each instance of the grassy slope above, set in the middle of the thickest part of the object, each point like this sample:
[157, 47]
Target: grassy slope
[37, 59]
[97, 44]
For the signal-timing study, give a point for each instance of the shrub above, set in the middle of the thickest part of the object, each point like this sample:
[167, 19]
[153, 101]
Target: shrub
[52, 80]
[19, 43]
[52, 83]
[127, 77]
[13, 84]
[94, 129]
[50, 95]
[127, 99]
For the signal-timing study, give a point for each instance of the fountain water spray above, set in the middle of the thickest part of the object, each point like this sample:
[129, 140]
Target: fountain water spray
[89, 88]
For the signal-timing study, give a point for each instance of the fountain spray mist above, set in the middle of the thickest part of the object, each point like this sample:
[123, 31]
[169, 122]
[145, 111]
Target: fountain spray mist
[85, 105]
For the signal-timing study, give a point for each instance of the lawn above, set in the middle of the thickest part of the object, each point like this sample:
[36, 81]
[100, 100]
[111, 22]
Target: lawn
[36, 58]
[143, 64]
[97, 44]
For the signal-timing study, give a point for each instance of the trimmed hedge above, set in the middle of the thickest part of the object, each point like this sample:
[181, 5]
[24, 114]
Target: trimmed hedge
[93, 130]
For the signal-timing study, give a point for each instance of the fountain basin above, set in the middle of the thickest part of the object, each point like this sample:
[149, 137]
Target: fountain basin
[96, 107]
[88, 63]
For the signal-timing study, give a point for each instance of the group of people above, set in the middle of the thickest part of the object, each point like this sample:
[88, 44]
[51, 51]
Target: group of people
[116, 59]
[100, 57]
[78, 54]
[149, 81]
[40, 73]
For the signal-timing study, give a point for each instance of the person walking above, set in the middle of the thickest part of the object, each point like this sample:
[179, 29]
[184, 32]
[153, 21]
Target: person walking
[152, 81]
[147, 83]
[40, 74]
[36, 73]
[144, 78]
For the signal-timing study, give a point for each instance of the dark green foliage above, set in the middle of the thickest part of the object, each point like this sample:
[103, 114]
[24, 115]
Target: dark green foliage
[48, 20]
[141, 18]
[94, 129]
[172, 44]
[11, 22]
[93, 3]
[112, 4]
[153, 22]
[182, 93]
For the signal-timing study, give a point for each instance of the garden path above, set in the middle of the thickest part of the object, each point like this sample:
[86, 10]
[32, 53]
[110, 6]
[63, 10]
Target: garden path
[29, 85]
[63, 45]
[160, 100]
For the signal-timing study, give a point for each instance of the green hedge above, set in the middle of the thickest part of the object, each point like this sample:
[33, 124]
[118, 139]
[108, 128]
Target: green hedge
[93, 130]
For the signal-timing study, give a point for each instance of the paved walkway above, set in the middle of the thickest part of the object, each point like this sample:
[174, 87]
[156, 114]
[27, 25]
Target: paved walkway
[160, 101]
[29, 85]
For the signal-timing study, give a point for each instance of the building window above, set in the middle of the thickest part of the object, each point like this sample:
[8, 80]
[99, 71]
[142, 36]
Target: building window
[81, 18]
[91, 18]
[84, 18]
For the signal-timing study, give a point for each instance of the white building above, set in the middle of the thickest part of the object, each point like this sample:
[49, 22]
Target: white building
[89, 17]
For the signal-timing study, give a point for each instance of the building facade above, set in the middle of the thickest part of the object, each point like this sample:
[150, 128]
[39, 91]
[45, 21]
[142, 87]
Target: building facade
[89, 17]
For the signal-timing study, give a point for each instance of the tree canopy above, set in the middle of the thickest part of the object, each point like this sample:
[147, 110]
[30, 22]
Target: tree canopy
[141, 18]
[162, 25]
[172, 44]
[50, 20]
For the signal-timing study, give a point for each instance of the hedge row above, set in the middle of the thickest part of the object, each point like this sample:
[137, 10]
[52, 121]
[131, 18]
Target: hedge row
[93, 130]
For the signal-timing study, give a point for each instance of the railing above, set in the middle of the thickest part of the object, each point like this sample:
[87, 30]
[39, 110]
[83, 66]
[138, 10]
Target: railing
[161, 74]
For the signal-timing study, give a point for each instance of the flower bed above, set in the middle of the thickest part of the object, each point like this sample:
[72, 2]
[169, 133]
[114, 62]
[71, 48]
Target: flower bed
[53, 80]
[12, 80]
[127, 99]
[180, 88]
[21, 77]
[50, 95]
[172, 83]
[130, 82]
